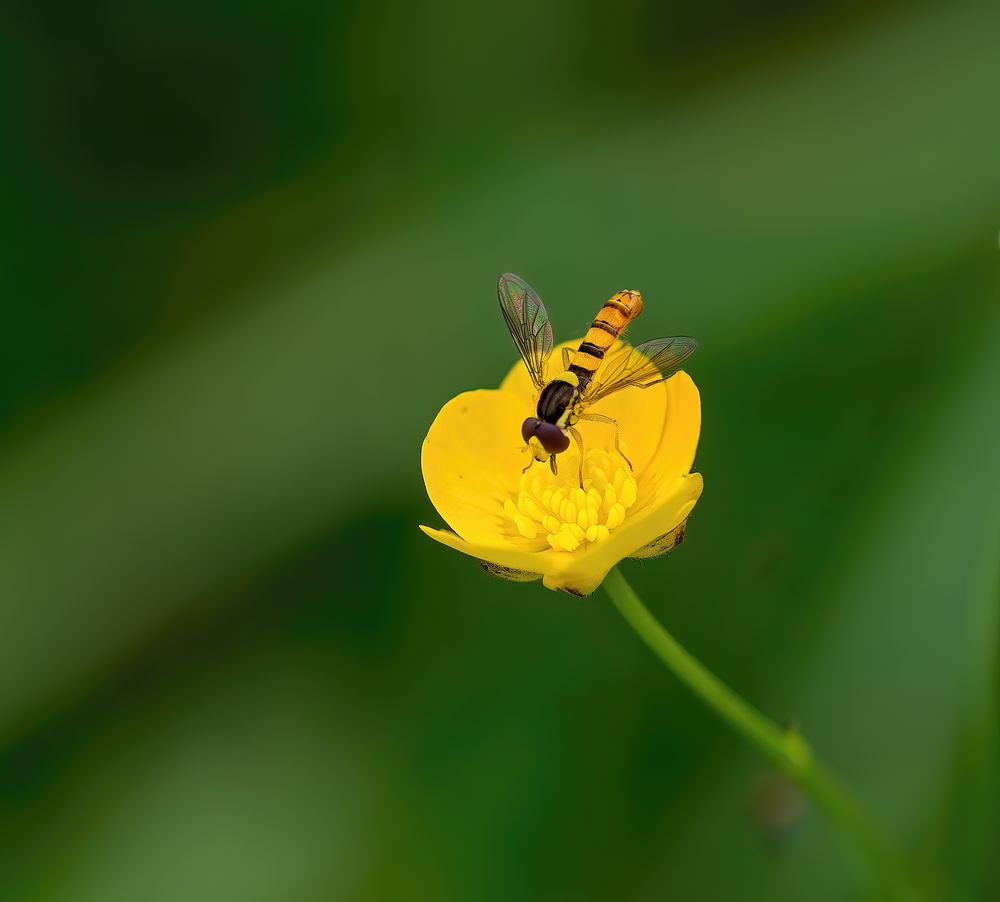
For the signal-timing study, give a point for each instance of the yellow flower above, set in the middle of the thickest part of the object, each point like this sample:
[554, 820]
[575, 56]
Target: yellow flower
[540, 526]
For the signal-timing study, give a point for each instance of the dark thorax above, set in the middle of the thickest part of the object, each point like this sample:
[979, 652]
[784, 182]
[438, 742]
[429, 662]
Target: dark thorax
[556, 398]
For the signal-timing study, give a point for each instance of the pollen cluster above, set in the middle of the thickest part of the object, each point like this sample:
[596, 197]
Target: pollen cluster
[554, 509]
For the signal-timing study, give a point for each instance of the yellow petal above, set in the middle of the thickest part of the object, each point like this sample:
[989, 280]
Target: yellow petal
[670, 510]
[472, 461]
[640, 412]
[556, 566]
[500, 555]
[681, 428]
[667, 542]
[582, 572]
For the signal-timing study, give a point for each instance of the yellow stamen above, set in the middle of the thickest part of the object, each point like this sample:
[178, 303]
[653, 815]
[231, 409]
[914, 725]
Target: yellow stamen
[555, 511]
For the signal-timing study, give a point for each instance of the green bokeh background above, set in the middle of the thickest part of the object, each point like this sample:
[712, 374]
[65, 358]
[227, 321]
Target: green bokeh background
[249, 249]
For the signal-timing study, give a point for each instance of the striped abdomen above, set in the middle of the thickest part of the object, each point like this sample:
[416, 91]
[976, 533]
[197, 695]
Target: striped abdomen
[614, 317]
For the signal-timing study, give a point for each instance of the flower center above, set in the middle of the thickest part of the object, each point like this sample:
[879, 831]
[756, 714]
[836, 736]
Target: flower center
[556, 509]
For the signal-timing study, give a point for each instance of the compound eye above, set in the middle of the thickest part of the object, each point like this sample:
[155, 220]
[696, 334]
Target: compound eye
[528, 428]
[553, 439]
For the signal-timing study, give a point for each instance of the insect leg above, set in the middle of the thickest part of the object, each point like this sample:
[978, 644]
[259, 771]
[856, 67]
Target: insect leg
[579, 441]
[567, 356]
[600, 418]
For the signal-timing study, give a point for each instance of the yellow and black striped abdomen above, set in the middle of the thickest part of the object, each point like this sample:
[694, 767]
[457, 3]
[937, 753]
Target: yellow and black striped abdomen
[611, 322]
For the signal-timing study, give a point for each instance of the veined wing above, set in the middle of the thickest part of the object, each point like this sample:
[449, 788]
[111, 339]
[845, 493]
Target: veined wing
[641, 366]
[528, 324]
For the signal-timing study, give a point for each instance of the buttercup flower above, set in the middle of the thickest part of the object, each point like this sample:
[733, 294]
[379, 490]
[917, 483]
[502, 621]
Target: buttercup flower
[539, 526]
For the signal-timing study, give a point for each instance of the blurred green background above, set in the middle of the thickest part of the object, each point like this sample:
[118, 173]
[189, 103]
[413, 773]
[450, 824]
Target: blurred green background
[249, 249]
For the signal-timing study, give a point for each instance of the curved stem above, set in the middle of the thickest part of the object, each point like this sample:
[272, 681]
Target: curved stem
[786, 748]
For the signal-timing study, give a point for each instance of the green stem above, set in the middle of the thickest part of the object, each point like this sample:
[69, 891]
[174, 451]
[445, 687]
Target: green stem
[785, 748]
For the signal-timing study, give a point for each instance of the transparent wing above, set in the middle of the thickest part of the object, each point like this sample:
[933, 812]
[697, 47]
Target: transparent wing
[528, 323]
[641, 366]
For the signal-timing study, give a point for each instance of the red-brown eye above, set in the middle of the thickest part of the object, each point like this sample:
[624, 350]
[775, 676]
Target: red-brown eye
[528, 428]
[553, 439]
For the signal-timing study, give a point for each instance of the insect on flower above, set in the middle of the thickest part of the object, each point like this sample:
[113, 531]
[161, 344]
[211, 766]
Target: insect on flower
[570, 528]
[600, 366]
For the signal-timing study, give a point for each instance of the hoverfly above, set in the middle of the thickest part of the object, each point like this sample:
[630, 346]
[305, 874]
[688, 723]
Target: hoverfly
[600, 366]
